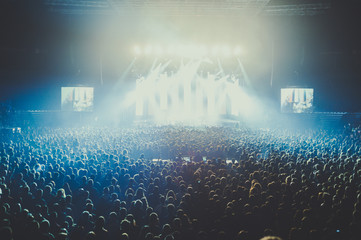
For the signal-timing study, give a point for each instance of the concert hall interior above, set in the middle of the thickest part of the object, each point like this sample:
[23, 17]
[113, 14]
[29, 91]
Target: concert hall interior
[180, 119]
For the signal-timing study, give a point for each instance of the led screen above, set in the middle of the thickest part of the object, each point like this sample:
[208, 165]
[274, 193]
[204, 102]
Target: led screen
[296, 100]
[77, 99]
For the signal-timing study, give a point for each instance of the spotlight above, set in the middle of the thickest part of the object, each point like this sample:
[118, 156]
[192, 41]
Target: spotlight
[148, 50]
[137, 50]
[226, 51]
[237, 51]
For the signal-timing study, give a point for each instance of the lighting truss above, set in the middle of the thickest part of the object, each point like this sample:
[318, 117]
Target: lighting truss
[187, 7]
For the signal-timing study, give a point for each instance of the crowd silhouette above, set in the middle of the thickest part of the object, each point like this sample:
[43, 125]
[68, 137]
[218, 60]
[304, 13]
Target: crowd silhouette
[174, 183]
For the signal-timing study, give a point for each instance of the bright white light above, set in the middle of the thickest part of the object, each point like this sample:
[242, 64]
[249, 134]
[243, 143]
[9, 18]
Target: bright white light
[137, 50]
[237, 51]
[187, 95]
[211, 104]
[236, 97]
[174, 92]
[158, 50]
[148, 50]
[139, 98]
[199, 97]
[179, 49]
[171, 50]
[163, 91]
[215, 50]
[226, 51]
[188, 51]
[203, 50]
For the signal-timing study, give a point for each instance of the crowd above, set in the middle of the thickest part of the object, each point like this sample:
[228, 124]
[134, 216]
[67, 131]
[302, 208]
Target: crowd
[174, 183]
